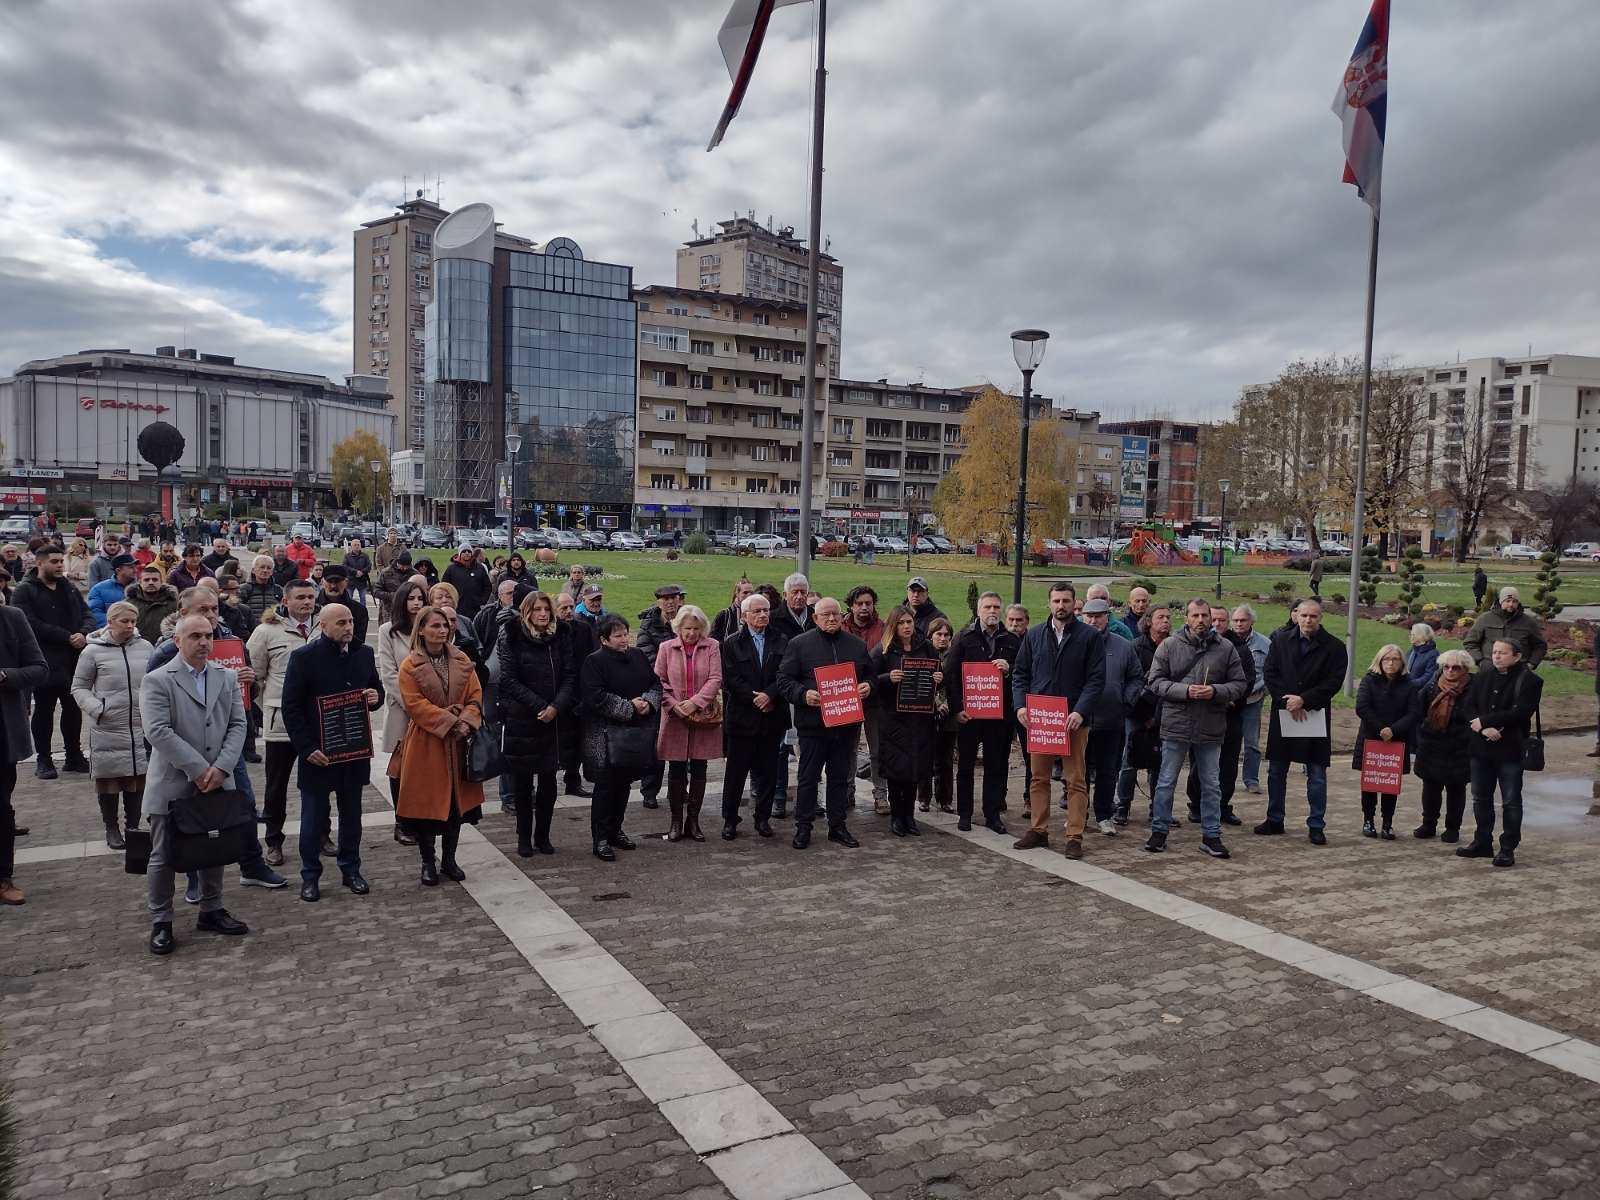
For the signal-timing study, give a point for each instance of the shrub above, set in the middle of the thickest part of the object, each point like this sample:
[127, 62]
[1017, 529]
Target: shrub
[1464, 621]
[1282, 589]
[972, 597]
[1371, 569]
[1339, 597]
[672, 556]
[1411, 574]
[833, 550]
[1148, 585]
[695, 543]
[1548, 584]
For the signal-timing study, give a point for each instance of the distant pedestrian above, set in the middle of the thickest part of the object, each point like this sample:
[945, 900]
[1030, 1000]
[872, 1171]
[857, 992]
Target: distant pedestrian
[1315, 576]
[1480, 588]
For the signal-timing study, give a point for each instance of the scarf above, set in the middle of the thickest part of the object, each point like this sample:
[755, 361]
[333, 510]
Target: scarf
[1444, 703]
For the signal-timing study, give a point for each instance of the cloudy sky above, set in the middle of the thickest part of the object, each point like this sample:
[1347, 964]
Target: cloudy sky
[1156, 184]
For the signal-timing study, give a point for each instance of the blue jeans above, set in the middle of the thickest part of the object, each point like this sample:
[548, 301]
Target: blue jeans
[314, 818]
[1250, 715]
[1486, 773]
[1278, 786]
[1206, 757]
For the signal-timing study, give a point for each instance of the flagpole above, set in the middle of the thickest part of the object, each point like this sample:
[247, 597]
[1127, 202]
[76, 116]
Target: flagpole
[1358, 532]
[808, 420]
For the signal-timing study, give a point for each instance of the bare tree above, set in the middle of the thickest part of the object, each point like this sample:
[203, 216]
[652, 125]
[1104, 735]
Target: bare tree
[1291, 440]
[1565, 514]
[1476, 467]
[1397, 425]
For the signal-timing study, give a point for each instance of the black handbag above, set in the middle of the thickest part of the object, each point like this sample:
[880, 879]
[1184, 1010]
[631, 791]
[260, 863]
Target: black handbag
[210, 829]
[1533, 747]
[484, 757]
[631, 750]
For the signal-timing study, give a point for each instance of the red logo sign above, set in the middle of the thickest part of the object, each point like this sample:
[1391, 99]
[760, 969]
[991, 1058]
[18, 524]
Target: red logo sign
[87, 403]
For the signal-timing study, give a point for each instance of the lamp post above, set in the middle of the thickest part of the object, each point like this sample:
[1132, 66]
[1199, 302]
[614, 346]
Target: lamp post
[513, 446]
[377, 468]
[1222, 529]
[1027, 347]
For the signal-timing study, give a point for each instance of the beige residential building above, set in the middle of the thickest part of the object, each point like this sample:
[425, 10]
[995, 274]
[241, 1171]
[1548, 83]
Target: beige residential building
[748, 259]
[721, 398]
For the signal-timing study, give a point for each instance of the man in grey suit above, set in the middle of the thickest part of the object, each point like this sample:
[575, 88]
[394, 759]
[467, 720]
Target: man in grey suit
[193, 715]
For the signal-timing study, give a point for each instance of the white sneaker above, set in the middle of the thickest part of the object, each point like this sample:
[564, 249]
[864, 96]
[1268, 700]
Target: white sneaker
[1108, 827]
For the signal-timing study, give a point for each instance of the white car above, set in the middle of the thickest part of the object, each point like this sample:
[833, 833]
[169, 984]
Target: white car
[622, 539]
[17, 529]
[1518, 550]
[1582, 550]
[565, 539]
[306, 530]
[763, 542]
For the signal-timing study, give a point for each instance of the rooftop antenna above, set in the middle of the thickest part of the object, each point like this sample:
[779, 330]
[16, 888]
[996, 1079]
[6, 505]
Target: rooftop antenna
[405, 189]
[438, 196]
[695, 225]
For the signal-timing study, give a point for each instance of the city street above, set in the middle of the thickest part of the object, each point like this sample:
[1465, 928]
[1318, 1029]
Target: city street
[931, 1017]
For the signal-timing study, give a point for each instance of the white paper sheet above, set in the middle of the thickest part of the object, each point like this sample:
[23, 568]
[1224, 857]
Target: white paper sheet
[1314, 725]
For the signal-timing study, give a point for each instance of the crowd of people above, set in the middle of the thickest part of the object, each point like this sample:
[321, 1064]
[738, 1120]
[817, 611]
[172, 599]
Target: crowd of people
[487, 677]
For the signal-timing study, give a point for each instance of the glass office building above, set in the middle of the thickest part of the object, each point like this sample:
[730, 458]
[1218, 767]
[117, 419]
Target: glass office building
[571, 338]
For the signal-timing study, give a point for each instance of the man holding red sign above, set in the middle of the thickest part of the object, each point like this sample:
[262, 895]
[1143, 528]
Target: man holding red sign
[823, 677]
[1060, 670]
[977, 670]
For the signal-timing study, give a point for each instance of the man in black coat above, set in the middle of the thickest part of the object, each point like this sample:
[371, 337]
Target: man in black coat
[922, 607]
[581, 641]
[1304, 672]
[22, 668]
[755, 715]
[327, 666]
[467, 574]
[61, 623]
[822, 747]
[986, 640]
[336, 590]
[792, 618]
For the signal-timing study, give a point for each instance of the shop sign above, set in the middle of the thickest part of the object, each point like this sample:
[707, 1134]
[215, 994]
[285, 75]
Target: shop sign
[88, 403]
[38, 472]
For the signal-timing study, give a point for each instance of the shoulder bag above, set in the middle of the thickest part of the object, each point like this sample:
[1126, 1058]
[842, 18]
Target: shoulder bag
[1533, 744]
[483, 753]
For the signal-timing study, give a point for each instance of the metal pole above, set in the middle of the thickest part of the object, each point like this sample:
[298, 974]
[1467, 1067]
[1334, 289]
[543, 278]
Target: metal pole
[1022, 490]
[1358, 534]
[1222, 532]
[808, 420]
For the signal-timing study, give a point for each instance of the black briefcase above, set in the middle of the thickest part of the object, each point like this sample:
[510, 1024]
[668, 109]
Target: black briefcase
[210, 829]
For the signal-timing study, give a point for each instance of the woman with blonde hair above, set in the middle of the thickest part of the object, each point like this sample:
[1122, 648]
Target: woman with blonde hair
[105, 685]
[1385, 703]
[78, 557]
[444, 707]
[1422, 661]
[689, 666]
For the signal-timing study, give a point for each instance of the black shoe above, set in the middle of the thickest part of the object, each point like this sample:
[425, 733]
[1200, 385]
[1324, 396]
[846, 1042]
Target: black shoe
[964, 824]
[1318, 838]
[897, 827]
[802, 839]
[1269, 828]
[650, 802]
[1387, 833]
[1119, 816]
[1214, 847]
[576, 788]
[623, 842]
[219, 921]
[1476, 849]
[430, 875]
[524, 848]
[45, 769]
[764, 828]
[730, 830]
[114, 837]
[844, 837]
[356, 883]
[310, 892]
[402, 837]
[250, 756]
[780, 811]
[448, 868]
[1368, 829]
[1450, 836]
[543, 846]
[996, 825]
[911, 827]
[1425, 833]
[161, 939]
[1505, 858]
[77, 764]
[1157, 842]
[604, 852]
[1174, 823]
[22, 831]
[1229, 817]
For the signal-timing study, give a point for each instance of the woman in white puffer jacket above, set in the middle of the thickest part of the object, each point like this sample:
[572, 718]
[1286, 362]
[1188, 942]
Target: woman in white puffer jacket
[105, 686]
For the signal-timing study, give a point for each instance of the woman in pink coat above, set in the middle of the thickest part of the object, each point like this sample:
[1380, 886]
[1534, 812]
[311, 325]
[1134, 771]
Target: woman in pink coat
[690, 669]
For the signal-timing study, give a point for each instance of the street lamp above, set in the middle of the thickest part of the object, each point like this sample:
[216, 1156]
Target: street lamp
[1222, 529]
[377, 466]
[1027, 347]
[513, 445]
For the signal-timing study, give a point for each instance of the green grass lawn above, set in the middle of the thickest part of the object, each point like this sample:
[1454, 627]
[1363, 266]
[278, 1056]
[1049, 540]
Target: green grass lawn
[630, 581]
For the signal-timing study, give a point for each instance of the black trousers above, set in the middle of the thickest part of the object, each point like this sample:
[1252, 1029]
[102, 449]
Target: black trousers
[535, 798]
[1369, 806]
[8, 819]
[44, 720]
[941, 785]
[1453, 796]
[608, 805]
[902, 798]
[1021, 735]
[569, 745]
[995, 738]
[753, 757]
[1227, 768]
[833, 751]
[1102, 764]
[650, 782]
[280, 759]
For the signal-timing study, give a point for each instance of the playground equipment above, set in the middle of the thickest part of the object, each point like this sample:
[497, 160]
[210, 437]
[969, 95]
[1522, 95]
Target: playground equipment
[1154, 546]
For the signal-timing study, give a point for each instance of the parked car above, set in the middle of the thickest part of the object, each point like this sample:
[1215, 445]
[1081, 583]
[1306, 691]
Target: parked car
[594, 539]
[432, 537]
[626, 539]
[1335, 550]
[565, 539]
[1519, 551]
[306, 530]
[890, 544]
[16, 528]
[934, 543]
[760, 543]
[1582, 550]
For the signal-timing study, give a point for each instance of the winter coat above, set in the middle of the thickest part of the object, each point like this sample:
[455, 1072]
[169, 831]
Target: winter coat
[743, 676]
[972, 645]
[55, 615]
[726, 623]
[102, 596]
[285, 571]
[388, 583]
[303, 556]
[1422, 664]
[797, 674]
[871, 634]
[905, 740]
[105, 685]
[1184, 659]
[1521, 628]
[322, 667]
[429, 763]
[24, 669]
[535, 673]
[269, 648]
[392, 648]
[1445, 755]
[785, 623]
[180, 578]
[1382, 703]
[677, 740]
[921, 616]
[259, 597]
[471, 584]
[1076, 668]
[653, 633]
[1316, 677]
[1505, 702]
[360, 568]
[1125, 683]
[77, 570]
[99, 570]
[614, 734]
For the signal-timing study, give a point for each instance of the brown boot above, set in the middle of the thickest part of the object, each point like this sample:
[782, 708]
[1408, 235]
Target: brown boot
[697, 797]
[1031, 840]
[10, 893]
[675, 798]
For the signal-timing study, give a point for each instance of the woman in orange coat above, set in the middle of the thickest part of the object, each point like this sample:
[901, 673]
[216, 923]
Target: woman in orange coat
[444, 703]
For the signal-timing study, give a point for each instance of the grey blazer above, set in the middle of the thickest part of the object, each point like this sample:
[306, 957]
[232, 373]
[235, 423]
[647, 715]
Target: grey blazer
[185, 735]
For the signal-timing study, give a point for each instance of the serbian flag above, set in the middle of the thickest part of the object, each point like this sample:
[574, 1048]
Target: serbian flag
[1362, 104]
[740, 38]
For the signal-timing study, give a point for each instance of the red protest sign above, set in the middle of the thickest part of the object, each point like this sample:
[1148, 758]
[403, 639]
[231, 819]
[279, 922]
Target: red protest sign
[836, 688]
[1382, 766]
[229, 652]
[982, 691]
[1047, 725]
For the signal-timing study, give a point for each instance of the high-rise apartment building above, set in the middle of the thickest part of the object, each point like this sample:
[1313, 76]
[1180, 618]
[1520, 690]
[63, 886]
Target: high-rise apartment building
[721, 399]
[1172, 467]
[745, 258]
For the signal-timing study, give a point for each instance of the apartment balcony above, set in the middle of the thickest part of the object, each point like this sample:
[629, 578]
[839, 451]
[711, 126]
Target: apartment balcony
[881, 472]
